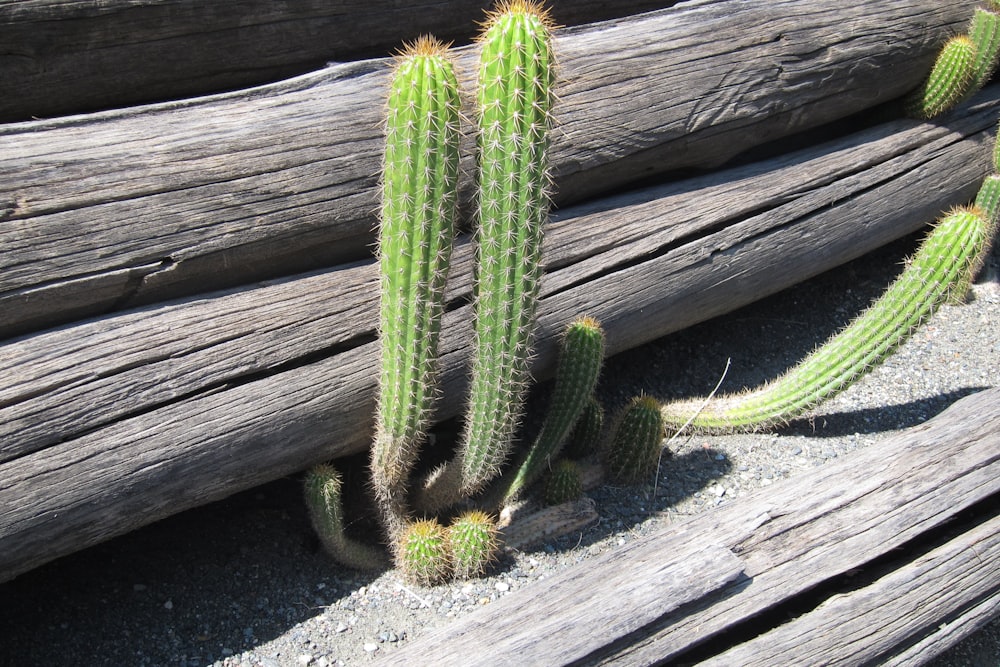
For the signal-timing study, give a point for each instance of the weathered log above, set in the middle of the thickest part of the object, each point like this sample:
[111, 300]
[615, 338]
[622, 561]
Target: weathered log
[789, 538]
[61, 57]
[123, 208]
[115, 423]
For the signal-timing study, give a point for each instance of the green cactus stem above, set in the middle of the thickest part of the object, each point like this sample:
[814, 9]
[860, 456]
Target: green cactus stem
[419, 185]
[984, 31]
[988, 198]
[949, 81]
[580, 357]
[563, 483]
[635, 445]
[585, 438]
[423, 554]
[323, 494]
[472, 538]
[513, 111]
[943, 266]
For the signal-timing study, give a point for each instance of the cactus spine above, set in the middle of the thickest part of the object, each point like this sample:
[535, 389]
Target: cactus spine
[513, 103]
[635, 444]
[472, 538]
[944, 265]
[580, 358]
[419, 185]
[323, 493]
[949, 80]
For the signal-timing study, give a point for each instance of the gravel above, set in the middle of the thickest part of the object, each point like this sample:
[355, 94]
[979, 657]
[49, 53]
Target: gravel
[243, 582]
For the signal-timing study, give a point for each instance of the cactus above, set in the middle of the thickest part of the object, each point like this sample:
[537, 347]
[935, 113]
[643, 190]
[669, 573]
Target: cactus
[984, 31]
[323, 489]
[472, 538]
[423, 554]
[513, 103]
[635, 445]
[988, 198]
[419, 184]
[580, 358]
[943, 266]
[563, 483]
[585, 438]
[949, 80]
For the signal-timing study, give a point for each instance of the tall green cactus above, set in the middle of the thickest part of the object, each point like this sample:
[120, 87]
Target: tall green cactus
[580, 359]
[323, 493]
[419, 185]
[514, 100]
[944, 265]
[949, 81]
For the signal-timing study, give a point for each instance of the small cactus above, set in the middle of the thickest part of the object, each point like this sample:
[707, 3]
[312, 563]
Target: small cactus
[323, 489]
[423, 554]
[580, 358]
[585, 438]
[949, 81]
[472, 538]
[988, 198]
[563, 483]
[635, 445]
[419, 184]
[513, 103]
[942, 268]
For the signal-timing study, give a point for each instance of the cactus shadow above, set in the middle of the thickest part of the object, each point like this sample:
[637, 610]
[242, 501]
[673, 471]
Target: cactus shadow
[878, 419]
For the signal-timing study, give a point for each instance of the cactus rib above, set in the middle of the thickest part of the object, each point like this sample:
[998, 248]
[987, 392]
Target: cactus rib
[513, 106]
[943, 266]
[416, 234]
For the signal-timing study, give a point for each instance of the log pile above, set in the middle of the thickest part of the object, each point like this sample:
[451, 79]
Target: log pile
[187, 292]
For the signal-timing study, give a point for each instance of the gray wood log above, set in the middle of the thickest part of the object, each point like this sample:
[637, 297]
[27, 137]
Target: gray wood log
[789, 538]
[70, 57]
[123, 208]
[111, 424]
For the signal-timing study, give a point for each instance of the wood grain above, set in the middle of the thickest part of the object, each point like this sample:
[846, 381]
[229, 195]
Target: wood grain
[789, 537]
[70, 57]
[123, 208]
[111, 424]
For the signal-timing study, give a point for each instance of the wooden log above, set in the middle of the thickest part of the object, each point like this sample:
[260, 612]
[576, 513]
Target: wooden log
[875, 622]
[115, 423]
[790, 538]
[129, 207]
[61, 57]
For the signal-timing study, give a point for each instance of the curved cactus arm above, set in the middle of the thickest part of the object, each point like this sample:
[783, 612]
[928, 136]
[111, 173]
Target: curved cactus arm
[944, 265]
[580, 359]
[949, 81]
[416, 234]
[514, 100]
[323, 494]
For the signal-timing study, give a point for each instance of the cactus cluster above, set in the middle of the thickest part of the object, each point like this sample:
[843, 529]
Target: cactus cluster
[964, 64]
[417, 228]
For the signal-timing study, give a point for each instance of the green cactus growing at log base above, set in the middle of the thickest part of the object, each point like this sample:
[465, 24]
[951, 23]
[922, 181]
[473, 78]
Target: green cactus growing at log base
[324, 500]
[585, 438]
[564, 483]
[513, 102]
[942, 267]
[419, 185]
[636, 440]
[472, 538]
[580, 358]
[423, 554]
